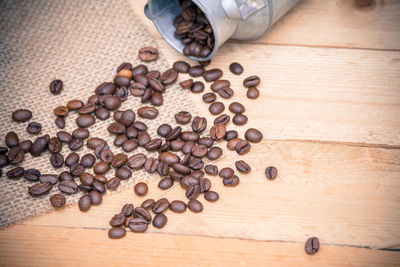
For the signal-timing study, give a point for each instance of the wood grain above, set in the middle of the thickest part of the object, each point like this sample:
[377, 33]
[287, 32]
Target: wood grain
[60, 246]
[333, 23]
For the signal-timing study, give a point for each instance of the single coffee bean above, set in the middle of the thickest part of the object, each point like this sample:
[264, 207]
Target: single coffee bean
[271, 172]
[121, 81]
[312, 245]
[68, 187]
[181, 66]
[232, 134]
[65, 176]
[216, 108]
[186, 84]
[242, 166]
[122, 93]
[205, 185]
[86, 178]
[157, 99]
[143, 139]
[226, 172]
[26, 145]
[199, 151]
[243, 147]
[211, 169]
[141, 189]
[119, 160]
[239, 119]
[93, 142]
[214, 153]
[199, 124]
[101, 167]
[141, 212]
[88, 160]
[207, 141]
[183, 117]
[61, 111]
[174, 134]
[180, 168]
[160, 220]
[237, 108]
[116, 128]
[85, 120]
[197, 174]
[197, 87]
[57, 200]
[16, 155]
[168, 158]
[211, 196]
[102, 113]
[95, 197]
[117, 219]
[186, 159]
[218, 131]
[189, 136]
[76, 169]
[139, 69]
[112, 103]
[151, 165]
[226, 92]
[21, 115]
[71, 159]
[125, 65]
[147, 112]
[177, 206]
[162, 168]
[127, 210]
[236, 68]
[231, 145]
[253, 135]
[224, 119]
[165, 183]
[39, 189]
[34, 128]
[93, 99]
[169, 77]
[84, 203]
[75, 144]
[196, 71]
[195, 206]
[212, 75]
[56, 86]
[106, 155]
[15, 173]
[138, 225]
[87, 109]
[126, 73]
[81, 133]
[32, 175]
[187, 147]
[116, 233]
[74, 104]
[39, 145]
[231, 181]
[196, 164]
[160, 205]
[220, 84]
[148, 203]
[60, 122]
[54, 145]
[253, 93]
[136, 162]
[123, 173]
[164, 129]
[129, 145]
[148, 54]
[113, 183]
[251, 81]
[11, 139]
[64, 137]
[131, 132]
[209, 97]
[193, 191]
[57, 160]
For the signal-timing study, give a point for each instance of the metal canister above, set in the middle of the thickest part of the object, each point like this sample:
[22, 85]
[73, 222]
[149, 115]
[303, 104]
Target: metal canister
[230, 19]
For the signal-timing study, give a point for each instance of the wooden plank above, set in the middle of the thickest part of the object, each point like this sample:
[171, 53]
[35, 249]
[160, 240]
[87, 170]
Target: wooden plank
[340, 23]
[345, 195]
[60, 246]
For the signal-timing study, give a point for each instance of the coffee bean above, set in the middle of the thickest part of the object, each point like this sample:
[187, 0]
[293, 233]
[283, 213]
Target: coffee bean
[186, 84]
[71, 159]
[84, 203]
[116, 233]
[193, 191]
[131, 132]
[207, 141]
[105, 88]
[242, 166]
[160, 220]
[188, 180]
[224, 119]
[239, 119]
[168, 158]
[226, 92]
[15, 173]
[251, 81]
[195, 206]
[148, 203]
[138, 225]
[196, 71]
[86, 178]
[141, 212]
[57, 200]
[231, 145]
[187, 147]
[76, 169]
[160, 205]
[135, 162]
[125, 65]
[148, 54]
[186, 159]
[60, 122]
[81, 133]
[196, 164]
[54, 145]
[3, 161]
[164, 129]
[181, 66]
[34, 128]
[95, 197]
[16, 155]
[174, 134]
[169, 76]
[183, 117]
[88, 160]
[121, 81]
[3, 150]
[127, 210]
[102, 113]
[100, 148]
[189, 136]
[93, 142]
[75, 144]
[211, 196]
[243, 147]
[212, 75]
[113, 183]
[312, 245]
[226, 172]
[236, 68]
[214, 153]
[74, 104]
[112, 103]
[147, 112]
[141, 189]
[101, 167]
[39, 145]
[209, 97]
[205, 185]
[199, 151]
[139, 70]
[39, 189]
[116, 128]
[32, 175]
[57, 160]
[237, 108]
[129, 145]
[271, 172]
[123, 173]
[85, 121]
[26, 145]
[165, 183]
[211, 169]
[253, 93]
[199, 124]
[143, 138]
[87, 109]
[197, 174]
[232, 134]
[68, 187]
[218, 131]
[56, 86]
[231, 181]
[197, 87]
[216, 108]
[64, 137]
[253, 135]
[119, 160]
[177, 206]
[61, 111]
[126, 73]
[65, 176]
[11, 139]
[220, 84]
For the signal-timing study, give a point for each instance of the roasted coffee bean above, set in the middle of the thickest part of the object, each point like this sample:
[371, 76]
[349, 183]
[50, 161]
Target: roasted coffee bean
[186, 84]
[181, 66]
[164, 147]
[34, 128]
[138, 225]
[174, 134]
[226, 92]
[195, 206]
[183, 117]
[253, 135]
[68, 187]
[220, 84]
[129, 145]
[243, 147]
[196, 164]
[160, 220]
[226, 172]
[236, 68]
[32, 175]
[123, 173]
[177, 206]
[57, 160]
[118, 219]
[116, 128]
[157, 99]
[251, 81]
[127, 210]
[156, 85]
[112, 103]
[85, 120]
[21, 115]
[143, 138]
[39, 189]
[186, 159]
[3, 150]
[15, 173]
[74, 104]
[271, 172]
[131, 132]
[209, 97]
[237, 108]
[11, 139]
[169, 76]
[64, 137]
[122, 81]
[113, 183]
[212, 75]
[56, 86]
[211, 169]
[93, 99]
[162, 168]
[102, 113]
[151, 165]
[128, 117]
[57, 200]
[3, 161]
[312, 245]
[99, 186]
[100, 148]
[93, 142]
[54, 145]
[207, 141]
[139, 69]
[141, 189]
[75, 144]
[84, 203]
[175, 176]
[164, 129]
[88, 160]
[160, 205]
[87, 109]
[148, 54]
[61, 111]
[124, 66]
[81, 133]
[216, 108]
[85, 188]
[189, 136]
[187, 147]
[65, 176]
[180, 168]
[95, 197]
[60, 122]
[86, 178]
[242, 166]
[231, 181]
[141, 212]
[176, 145]
[148, 112]
[214, 153]
[224, 119]
[101, 167]
[153, 74]
[153, 144]
[196, 71]
[253, 93]
[231, 145]
[136, 162]
[116, 233]
[197, 87]
[76, 169]
[232, 134]
[71, 159]
[199, 124]
[197, 174]
[199, 151]
[211, 196]
[148, 203]
[168, 158]
[119, 160]
[106, 155]
[15, 155]
[122, 93]
[218, 131]
[39, 145]
[165, 183]
[205, 185]
[239, 119]
[26, 145]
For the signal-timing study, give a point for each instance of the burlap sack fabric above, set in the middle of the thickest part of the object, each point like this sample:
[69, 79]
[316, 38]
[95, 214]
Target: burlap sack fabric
[81, 43]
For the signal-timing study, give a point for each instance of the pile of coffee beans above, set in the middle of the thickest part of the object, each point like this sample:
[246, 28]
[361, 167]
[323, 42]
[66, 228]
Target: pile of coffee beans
[194, 30]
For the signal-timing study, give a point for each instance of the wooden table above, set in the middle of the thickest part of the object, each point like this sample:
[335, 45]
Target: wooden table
[330, 113]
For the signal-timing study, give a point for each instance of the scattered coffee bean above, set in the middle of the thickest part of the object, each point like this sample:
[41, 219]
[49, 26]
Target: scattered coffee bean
[160, 220]
[60, 122]
[183, 117]
[236, 68]
[195, 206]
[216, 108]
[147, 112]
[209, 97]
[116, 233]
[26, 145]
[85, 120]
[88, 160]
[211, 169]
[15, 173]
[11, 139]
[160, 205]
[251, 81]
[237, 108]
[165, 183]
[76, 169]
[95, 197]
[148, 203]
[312, 245]
[186, 84]
[34, 128]
[169, 76]
[181, 66]
[242, 166]
[212, 75]
[211, 196]
[57, 160]
[16, 155]
[101, 167]
[68, 187]
[218, 131]
[243, 147]
[75, 144]
[224, 119]
[214, 153]
[197, 87]
[84, 203]
[196, 71]
[141, 189]
[56, 86]
[177, 206]
[271, 172]
[39, 189]
[148, 54]
[113, 183]
[226, 172]
[231, 181]
[253, 93]
[239, 119]
[32, 175]
[138, 225]
[57, 200]
[253, 135]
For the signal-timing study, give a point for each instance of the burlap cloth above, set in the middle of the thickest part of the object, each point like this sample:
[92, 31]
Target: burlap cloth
[81, 43]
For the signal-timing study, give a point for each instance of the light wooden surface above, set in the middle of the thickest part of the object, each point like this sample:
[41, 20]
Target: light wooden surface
[330, 117]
